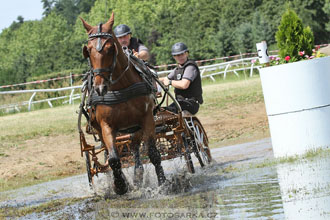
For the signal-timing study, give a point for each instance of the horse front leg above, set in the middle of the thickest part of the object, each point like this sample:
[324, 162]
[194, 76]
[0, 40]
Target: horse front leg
[153, 153]
[120, 182]
[155, 159]
[138, 169]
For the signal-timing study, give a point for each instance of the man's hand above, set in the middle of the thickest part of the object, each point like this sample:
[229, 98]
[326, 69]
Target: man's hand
[135, 53]
[165, 81]
[143, 55]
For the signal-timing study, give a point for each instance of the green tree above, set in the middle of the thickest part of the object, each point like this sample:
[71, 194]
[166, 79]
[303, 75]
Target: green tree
[69, 9]
[312, 15]
[15, 25]
[222, 40]
[292, 37]
[243, 41]
[326, 9]
[47, 6]
[210, 28]
[261, 30]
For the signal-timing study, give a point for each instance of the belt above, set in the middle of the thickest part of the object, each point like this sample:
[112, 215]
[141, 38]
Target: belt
[187, 99]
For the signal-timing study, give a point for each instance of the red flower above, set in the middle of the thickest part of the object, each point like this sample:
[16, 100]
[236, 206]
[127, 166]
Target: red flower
[287, 58]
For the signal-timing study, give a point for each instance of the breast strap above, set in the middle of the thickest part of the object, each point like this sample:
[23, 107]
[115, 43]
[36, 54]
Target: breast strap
[123, 95]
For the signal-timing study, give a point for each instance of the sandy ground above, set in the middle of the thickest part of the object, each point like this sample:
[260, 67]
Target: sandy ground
[60, 156]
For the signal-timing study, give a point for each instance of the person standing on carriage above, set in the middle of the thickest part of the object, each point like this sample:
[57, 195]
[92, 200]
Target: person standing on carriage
[124, 36]
[186, 80]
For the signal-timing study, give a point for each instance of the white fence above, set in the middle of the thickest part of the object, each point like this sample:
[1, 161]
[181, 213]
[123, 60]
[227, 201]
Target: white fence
[208, 71]
[15, 106]
[224, 68]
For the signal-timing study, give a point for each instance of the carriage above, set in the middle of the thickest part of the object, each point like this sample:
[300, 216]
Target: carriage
[124, 115]
[177, 135]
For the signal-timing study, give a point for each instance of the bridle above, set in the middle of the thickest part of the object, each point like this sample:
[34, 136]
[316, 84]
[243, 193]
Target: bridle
[99, 47]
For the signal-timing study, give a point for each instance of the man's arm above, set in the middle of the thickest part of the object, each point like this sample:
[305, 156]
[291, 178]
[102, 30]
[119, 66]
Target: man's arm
[179, 84]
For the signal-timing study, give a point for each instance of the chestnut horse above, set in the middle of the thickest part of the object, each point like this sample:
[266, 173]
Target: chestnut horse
[113, 73]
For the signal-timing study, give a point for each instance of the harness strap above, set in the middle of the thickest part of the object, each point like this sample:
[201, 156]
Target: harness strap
[123, 95]
[102, 70]
[99, 71]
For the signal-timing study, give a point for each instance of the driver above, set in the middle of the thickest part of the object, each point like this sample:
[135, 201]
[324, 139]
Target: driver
[186, 80]
[124, 36]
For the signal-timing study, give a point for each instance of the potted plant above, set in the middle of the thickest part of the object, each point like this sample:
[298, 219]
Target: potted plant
[296, 88]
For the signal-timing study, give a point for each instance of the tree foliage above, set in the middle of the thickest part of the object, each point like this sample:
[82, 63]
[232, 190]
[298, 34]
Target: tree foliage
[326, 10]
[210, 28]
[292, 37]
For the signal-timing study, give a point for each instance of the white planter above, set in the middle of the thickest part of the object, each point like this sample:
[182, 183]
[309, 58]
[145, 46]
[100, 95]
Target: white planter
[297, 99]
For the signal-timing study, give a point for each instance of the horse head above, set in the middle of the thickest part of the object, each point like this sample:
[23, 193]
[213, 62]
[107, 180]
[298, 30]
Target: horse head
[102, 52]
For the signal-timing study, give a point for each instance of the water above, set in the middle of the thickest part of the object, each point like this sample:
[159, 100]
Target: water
[254, 195]
[232, 189]
[305, 188]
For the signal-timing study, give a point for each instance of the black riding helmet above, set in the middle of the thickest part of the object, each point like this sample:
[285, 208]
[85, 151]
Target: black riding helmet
[122, 30]
[179, 48]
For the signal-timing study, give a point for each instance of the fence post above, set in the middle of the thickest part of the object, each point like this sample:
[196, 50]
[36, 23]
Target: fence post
[225, 73]
[71, 79]
[251, 71]
[30, 101]
[71, 95]
[202, 72]
[50, 104]
[242, 63]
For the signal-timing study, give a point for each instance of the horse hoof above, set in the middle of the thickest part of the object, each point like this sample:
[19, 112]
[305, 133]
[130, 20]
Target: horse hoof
[120, 186]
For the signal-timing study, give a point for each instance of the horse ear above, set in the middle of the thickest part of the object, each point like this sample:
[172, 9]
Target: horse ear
[87, 26]
[85, 52]
[111, 21]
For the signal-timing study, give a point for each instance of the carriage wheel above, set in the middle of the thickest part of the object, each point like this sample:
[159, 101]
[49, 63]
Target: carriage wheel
[201, 149]
[187, 155]
[88, 167]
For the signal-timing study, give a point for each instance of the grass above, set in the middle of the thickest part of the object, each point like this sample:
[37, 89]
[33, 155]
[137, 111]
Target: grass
[103, 207]
[52, 206]
[309, 155]
[19, 127]
[234, 93]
